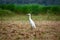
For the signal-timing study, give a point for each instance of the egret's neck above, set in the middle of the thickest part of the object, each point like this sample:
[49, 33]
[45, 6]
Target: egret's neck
[29, 16]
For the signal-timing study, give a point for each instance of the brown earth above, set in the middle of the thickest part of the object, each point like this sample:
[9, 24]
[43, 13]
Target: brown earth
[21, 30]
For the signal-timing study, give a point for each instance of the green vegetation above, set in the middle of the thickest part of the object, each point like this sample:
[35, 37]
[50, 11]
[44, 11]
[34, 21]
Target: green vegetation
[7, 15]
[13, 12]
[31, 8]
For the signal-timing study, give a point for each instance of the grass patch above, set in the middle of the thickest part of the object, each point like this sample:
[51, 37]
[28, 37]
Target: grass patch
[9, 15]
[34, 17]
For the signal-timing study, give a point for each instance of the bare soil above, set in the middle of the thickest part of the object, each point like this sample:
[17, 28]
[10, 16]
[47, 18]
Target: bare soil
[21, 30]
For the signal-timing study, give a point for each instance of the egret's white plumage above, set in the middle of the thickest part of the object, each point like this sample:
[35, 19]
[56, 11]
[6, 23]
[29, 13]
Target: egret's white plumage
[31, 21]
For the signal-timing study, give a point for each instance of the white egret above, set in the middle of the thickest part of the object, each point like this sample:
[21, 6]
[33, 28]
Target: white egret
[31, 21]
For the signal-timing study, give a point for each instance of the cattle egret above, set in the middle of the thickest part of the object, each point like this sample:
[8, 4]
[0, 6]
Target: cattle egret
[31, 21]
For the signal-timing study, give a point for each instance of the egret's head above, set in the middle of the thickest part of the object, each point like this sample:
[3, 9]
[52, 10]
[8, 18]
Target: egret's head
[29, 14]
